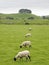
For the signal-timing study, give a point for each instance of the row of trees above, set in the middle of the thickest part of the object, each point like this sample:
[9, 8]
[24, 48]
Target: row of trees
[45, 17]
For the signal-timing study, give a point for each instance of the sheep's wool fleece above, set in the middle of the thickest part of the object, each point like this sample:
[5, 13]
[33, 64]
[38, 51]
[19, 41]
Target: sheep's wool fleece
[26, 42]
[23, 53]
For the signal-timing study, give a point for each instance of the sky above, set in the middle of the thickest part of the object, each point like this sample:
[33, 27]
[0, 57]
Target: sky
[38, 7]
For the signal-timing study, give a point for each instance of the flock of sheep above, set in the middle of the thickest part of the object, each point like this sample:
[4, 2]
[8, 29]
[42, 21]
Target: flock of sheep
[24, 53]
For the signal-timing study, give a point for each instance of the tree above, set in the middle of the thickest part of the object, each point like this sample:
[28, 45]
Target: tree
[25, 11]
[43, 17]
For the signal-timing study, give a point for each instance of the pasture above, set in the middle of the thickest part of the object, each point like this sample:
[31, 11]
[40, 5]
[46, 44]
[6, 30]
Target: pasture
[11, 37]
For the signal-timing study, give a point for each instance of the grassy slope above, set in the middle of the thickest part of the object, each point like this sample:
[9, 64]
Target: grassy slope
[11, 37]
[22, 18]
[19, 15]
[18, 18]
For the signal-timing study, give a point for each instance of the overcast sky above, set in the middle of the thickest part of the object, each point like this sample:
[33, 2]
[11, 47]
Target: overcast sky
[38, 7]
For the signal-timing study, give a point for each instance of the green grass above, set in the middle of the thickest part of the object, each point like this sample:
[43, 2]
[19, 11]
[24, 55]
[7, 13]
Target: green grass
[11, 37]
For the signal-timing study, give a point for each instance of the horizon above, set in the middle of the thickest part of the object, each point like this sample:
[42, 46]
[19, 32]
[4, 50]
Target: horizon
[29, 9]
[38, 7]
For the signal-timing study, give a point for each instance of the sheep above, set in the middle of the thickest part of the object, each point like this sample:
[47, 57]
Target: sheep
[30, 29]
[25, 43]
[28, 34]
[22, 54]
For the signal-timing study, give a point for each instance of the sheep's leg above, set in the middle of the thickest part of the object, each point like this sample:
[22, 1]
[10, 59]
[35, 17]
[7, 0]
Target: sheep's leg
[25, 45]
[26, 58]
[21, 58]
[29, 45]
[29, 57]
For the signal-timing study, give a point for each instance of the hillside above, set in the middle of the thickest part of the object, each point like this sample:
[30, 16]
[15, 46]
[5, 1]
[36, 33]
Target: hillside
[19, 15]
[22, 19]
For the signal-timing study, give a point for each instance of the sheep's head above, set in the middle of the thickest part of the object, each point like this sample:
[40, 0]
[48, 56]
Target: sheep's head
[20, 46]
[14, 59]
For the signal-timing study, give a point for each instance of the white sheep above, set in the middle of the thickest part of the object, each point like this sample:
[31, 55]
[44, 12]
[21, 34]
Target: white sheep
[22, 54]
[28, 35]
[30, 29]
[25, 43]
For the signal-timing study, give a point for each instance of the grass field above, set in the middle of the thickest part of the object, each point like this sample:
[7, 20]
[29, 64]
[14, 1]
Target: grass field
[11, 37]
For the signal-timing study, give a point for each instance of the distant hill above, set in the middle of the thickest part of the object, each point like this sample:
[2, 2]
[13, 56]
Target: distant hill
[18, 15]
[22, 19]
